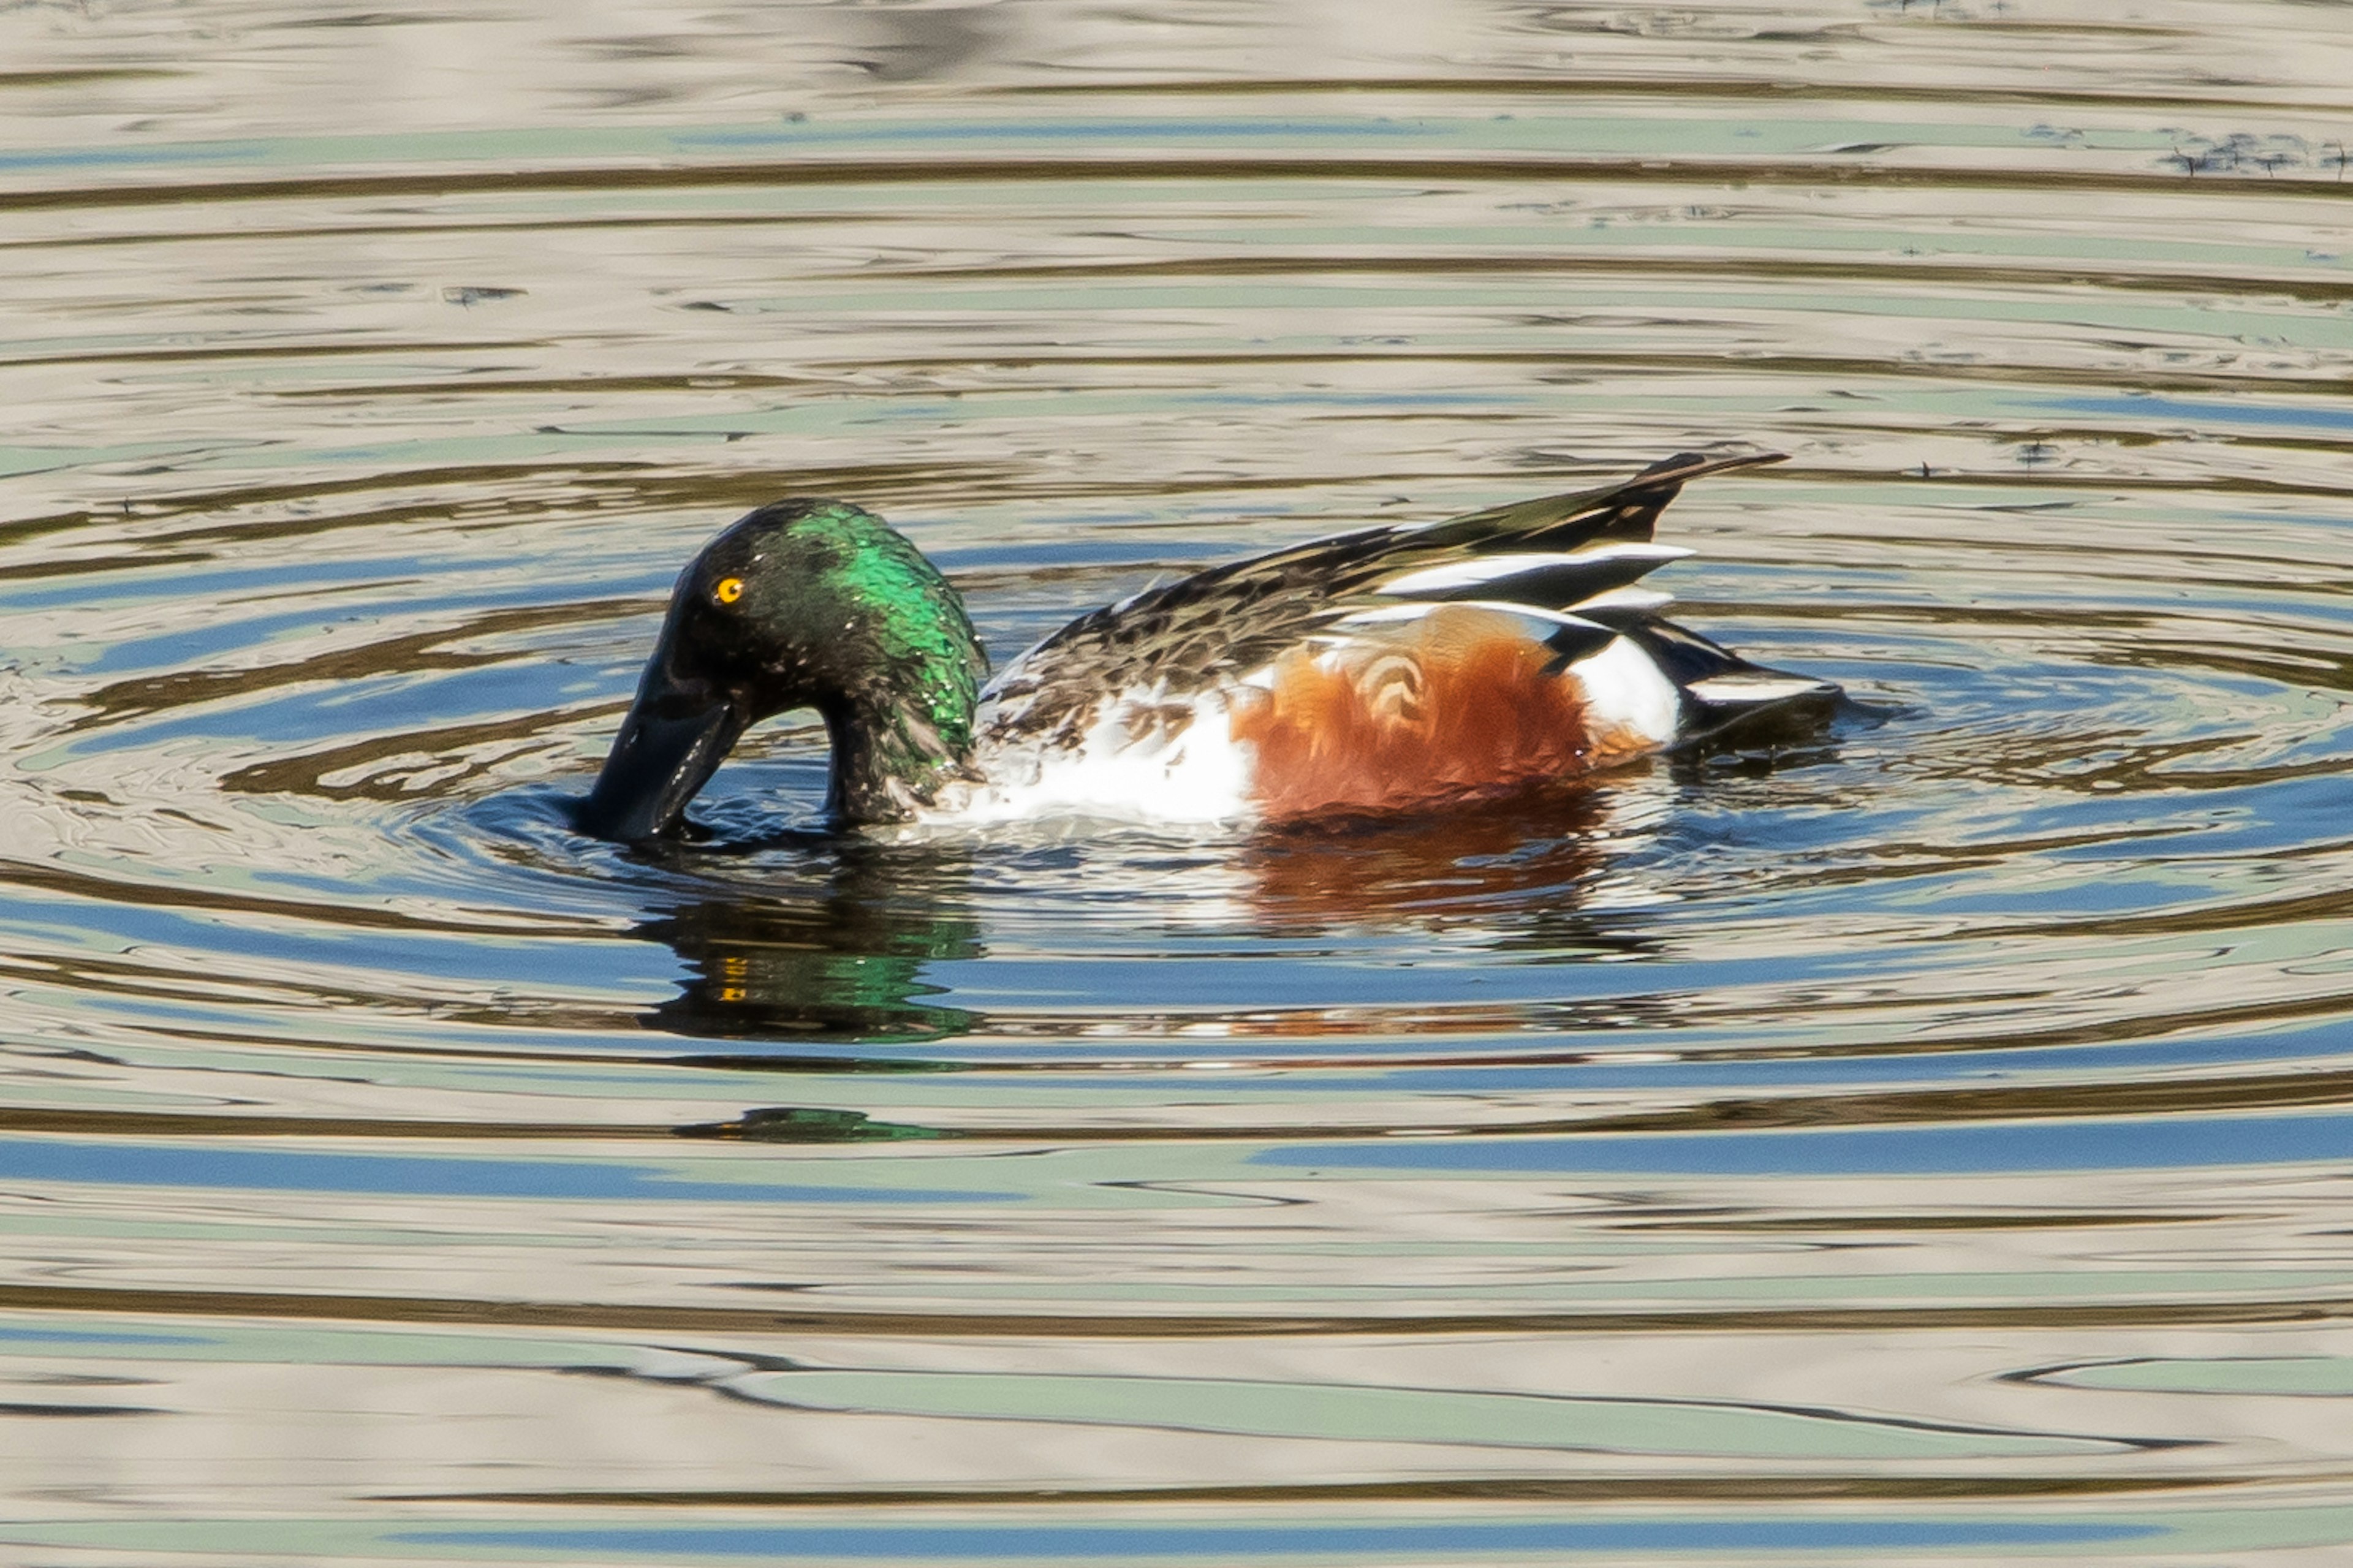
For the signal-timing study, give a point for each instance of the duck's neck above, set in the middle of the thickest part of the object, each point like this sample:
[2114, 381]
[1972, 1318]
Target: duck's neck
[897, 739]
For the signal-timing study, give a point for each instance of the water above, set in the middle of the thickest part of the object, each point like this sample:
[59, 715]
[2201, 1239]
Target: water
[1929, 1147]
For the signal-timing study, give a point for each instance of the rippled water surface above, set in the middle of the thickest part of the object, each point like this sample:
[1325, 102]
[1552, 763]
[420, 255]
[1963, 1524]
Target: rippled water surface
[1930, 1146]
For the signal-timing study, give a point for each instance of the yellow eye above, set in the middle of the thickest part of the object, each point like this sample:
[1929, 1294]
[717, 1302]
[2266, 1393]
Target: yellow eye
[730, 589]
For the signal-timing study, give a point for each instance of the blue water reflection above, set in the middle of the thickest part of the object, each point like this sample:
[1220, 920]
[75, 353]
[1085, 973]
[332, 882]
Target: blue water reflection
[2142, 1143]
[1109, 1542]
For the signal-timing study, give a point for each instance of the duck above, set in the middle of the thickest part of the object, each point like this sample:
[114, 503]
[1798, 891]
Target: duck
[1414, 666]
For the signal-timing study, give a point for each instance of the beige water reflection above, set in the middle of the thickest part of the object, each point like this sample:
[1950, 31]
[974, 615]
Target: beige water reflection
[1925, 1146]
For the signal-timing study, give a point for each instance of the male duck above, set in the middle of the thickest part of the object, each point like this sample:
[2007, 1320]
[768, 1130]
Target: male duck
[1394, 668]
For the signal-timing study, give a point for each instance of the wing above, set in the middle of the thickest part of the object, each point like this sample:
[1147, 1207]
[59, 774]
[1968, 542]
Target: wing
[1572, 559]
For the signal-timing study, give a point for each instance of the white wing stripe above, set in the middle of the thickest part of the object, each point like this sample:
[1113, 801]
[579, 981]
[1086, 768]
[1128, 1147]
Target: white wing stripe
[1627, 598]
[1481, 569]
[1754, 688]
[1393, 614]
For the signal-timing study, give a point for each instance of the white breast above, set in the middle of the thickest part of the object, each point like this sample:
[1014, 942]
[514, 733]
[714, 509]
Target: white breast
[1139, 759]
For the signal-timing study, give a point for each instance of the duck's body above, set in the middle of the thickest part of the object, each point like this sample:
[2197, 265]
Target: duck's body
[1395, 669]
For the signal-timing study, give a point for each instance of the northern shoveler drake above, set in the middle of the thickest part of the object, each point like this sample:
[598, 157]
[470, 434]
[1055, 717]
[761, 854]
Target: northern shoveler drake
[1395, 669]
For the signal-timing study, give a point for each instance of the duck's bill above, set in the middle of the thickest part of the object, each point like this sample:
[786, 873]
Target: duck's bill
[672, 742]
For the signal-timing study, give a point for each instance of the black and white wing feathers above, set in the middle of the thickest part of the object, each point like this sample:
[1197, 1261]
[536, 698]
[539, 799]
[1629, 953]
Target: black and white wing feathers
[1560, 553]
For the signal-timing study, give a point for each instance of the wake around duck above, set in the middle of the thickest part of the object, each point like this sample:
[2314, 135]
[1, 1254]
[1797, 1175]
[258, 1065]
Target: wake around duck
[1397, 669]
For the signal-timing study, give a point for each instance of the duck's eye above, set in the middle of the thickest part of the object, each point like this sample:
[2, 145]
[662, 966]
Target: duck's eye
[730, 589]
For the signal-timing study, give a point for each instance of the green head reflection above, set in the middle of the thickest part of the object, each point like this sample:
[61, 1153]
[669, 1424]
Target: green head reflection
[841, 957]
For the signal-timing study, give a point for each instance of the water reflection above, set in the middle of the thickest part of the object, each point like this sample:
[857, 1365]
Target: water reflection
[1531, 856]
[835, 941]
[835, 953]
[1262, 1178]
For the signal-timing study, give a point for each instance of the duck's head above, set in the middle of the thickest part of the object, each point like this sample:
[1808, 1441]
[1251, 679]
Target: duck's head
[802, 604]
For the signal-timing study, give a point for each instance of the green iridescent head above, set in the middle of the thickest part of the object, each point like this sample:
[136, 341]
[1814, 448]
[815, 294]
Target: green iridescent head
[802, 604]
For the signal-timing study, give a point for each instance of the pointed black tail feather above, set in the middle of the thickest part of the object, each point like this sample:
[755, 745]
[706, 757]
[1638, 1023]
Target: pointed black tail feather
[1635, 507]
[1628, 509]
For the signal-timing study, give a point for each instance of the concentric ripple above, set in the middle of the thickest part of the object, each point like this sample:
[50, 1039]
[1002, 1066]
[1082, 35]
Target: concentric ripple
[1925, 1144]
